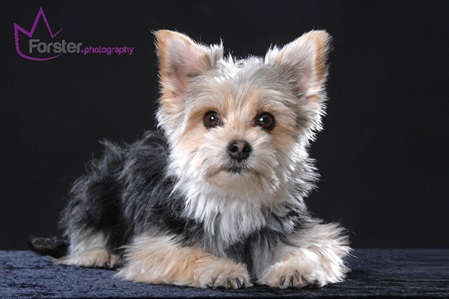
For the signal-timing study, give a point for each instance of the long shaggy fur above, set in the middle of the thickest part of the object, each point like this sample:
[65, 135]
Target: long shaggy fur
[174, 208]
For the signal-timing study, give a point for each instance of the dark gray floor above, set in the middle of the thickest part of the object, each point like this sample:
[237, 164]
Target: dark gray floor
[375, 273]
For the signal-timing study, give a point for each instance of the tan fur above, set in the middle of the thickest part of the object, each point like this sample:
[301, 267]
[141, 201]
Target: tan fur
[309, 63]
[161, 260]
[237, 109]
[321, 41]
[169, 45]
[95, 257]
[89, 250]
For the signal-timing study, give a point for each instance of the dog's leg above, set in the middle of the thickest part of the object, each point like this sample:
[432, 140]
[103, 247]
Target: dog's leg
[314, 258]
[92, 214]
[162, 260]
[89, 250]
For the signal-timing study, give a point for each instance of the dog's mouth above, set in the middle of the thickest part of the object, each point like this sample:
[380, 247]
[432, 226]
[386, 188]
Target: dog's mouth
[237, 168]
[230, 168]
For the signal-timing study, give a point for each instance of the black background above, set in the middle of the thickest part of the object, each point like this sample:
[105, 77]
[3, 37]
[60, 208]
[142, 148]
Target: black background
[383, 155]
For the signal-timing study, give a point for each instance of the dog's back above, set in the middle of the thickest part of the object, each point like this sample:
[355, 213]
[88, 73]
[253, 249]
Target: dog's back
[108, 205]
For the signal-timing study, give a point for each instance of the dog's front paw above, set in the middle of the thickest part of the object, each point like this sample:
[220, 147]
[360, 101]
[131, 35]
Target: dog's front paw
[222, 273]
[282, 275]
[296, 271]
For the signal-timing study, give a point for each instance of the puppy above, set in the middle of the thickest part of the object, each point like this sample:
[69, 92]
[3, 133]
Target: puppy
[215, 197]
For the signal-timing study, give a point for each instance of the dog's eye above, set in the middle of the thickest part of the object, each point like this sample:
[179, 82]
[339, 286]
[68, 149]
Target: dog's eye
[211, 119]
[265, 120]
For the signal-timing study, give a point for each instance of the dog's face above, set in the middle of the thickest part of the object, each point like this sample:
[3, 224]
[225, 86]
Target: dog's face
[240, 125]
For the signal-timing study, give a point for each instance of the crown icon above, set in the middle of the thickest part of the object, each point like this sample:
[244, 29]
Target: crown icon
[18, 28]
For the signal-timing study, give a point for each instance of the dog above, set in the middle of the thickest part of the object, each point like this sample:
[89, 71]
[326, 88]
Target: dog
[215, 196]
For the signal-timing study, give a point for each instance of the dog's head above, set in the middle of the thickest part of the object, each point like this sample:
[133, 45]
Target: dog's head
[241, 124]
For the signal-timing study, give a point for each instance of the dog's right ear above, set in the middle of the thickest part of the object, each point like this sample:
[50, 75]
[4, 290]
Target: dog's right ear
[180, 60]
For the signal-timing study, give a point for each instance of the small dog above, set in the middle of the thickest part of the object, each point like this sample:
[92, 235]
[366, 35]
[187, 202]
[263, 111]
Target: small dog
[215, 198]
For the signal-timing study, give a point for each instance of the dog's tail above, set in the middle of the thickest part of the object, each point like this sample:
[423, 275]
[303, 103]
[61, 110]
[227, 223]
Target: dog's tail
[53, 247]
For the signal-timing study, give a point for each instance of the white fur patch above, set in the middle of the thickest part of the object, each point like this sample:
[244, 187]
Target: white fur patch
[316, 259]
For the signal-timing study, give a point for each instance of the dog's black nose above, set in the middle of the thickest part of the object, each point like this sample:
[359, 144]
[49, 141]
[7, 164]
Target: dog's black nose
[239, 150]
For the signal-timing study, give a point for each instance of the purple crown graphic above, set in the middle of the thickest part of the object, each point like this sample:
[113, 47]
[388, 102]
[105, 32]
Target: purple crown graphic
[30, 34]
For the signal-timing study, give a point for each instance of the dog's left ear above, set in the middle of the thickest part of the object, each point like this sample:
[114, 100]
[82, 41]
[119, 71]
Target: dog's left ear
[305, 61]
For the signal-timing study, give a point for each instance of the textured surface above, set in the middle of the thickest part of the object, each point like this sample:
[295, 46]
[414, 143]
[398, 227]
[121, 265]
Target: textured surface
[375, 273]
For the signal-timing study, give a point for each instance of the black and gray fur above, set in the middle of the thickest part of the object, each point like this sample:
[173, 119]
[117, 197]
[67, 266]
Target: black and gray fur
[126, 193]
